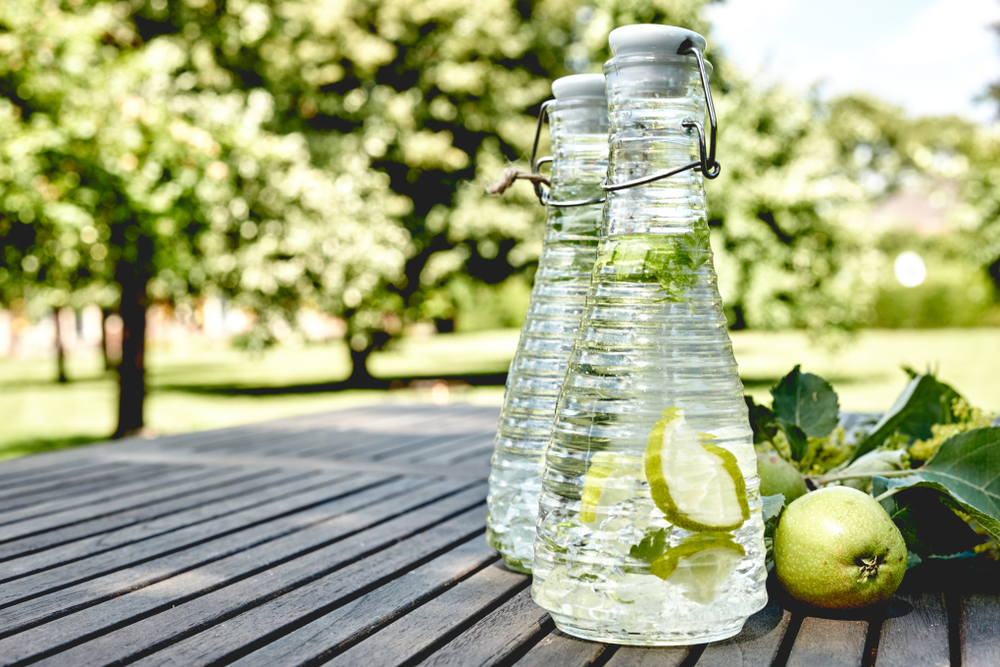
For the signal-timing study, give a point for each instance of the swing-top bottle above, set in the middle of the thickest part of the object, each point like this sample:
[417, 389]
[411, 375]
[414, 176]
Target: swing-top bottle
[578, 127]
[650, 529]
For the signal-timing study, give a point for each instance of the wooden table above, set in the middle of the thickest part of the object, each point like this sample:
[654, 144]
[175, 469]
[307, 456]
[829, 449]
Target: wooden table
[351, 538]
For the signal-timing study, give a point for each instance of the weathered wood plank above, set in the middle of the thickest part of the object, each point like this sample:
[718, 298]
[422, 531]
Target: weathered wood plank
[121, 489]
[830, 643]
[561, 650]
[50, 468]
[915, 632]
[151, 545]
[347, 618]
[756, 644]
[435, 622]
[77, 522]
[66, 484]
[635, 656]
[253, 493]
[230, 585]
[979, 632]
[253, 547]
[498, 635]
[443, 450]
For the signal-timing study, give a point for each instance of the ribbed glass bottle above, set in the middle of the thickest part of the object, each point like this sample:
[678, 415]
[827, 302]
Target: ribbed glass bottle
[649, 527]
[578, 126]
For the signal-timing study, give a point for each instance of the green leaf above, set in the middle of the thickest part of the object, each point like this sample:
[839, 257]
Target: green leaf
[967, 468]
[923, 403]
[762, 421]
[807, 401]
[773, 505]
[925, 518]
[797, 440]
[652, 546]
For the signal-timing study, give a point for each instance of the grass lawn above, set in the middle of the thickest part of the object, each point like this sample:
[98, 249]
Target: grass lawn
[211, 387]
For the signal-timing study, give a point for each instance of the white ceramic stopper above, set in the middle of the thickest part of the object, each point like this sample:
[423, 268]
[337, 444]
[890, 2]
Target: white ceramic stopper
[578, 85]
[647, 38]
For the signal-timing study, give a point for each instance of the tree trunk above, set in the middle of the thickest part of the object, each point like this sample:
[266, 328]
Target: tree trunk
[60, 351]
[108, 363]
[132, 366]
[360, 376]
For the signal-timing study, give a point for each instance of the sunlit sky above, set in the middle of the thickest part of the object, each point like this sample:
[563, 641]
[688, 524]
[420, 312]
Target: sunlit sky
[930, 56]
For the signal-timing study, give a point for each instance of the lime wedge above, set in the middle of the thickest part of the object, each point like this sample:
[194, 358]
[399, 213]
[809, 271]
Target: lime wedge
[611, 478]
[697, 485]
[699, 565]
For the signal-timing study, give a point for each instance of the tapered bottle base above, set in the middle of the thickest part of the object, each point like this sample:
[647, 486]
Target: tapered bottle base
[601, 632]
[516, 565]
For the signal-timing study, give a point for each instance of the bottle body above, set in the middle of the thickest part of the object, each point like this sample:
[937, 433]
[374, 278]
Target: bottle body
[578, 129]
[651, 455]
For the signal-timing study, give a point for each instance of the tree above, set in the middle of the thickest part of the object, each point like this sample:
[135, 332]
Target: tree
[287, 154]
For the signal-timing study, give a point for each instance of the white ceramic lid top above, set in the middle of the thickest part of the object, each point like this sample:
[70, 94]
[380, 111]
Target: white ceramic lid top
[579, 85]
[648, 38]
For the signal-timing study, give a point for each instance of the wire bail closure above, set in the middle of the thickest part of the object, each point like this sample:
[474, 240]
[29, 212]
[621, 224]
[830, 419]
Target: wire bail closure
[707, 165]
[536, 165]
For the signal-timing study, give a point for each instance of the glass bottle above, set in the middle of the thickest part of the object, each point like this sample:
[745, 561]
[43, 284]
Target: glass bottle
[649, 528]
[578, 126]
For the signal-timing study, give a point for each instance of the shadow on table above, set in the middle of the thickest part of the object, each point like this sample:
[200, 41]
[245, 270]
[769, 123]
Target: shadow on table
[470, 379]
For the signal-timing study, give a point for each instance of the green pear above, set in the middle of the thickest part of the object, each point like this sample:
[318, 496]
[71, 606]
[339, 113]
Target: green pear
[779, 476]
[837, 548]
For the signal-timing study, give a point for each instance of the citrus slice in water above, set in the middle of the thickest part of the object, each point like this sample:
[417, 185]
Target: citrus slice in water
[699, 565]
[697, 485]
[611, 478]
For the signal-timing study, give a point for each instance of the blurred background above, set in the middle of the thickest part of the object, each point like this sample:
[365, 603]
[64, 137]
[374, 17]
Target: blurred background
[215, 212]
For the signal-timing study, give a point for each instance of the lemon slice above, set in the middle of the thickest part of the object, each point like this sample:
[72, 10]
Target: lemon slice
[700, 565]
[697, 485]
[611, 478]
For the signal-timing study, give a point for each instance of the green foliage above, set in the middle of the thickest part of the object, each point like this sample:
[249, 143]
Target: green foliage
[806, 401]
[929, 525]
[925, 402]
[965, 470]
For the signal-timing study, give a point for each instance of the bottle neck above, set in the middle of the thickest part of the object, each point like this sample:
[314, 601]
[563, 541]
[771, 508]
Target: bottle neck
[579, 131]
[649, 97]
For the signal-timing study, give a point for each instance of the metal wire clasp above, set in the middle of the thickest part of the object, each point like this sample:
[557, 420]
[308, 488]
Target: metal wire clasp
[707, 165]
[536, 165]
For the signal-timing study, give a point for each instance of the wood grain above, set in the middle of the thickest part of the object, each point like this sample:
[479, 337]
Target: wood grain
[561, 650]
[198, 598]
[979, 634]
[349, 623]
[498, 635]
[436, 622]
[829, 643]
[756, 644]
[915, 632]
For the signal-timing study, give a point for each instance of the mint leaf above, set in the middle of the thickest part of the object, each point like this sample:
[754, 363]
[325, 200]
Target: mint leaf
[967, 469]
[923, 403]
[652, 546]
[806, 401]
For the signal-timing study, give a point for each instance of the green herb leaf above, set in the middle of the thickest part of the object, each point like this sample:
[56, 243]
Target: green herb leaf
[652, 546]
[923, 403]
[967, 468]
[806, 401]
